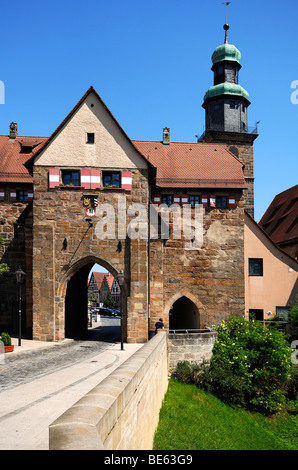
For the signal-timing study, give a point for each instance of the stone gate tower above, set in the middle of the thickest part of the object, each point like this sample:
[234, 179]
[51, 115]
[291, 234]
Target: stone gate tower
[226, 104]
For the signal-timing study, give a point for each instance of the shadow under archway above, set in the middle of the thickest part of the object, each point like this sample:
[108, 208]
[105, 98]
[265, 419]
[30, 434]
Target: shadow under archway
[76, 304]
[184, 315]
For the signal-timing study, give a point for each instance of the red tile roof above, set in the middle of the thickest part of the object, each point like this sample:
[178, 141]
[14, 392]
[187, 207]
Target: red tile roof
[179, 164]
[280, 220]
[188, 165]
[13, 157]
[110, 280]
[99, 277]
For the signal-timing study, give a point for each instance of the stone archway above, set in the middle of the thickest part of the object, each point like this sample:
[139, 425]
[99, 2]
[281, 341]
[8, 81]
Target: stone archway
[185, 312]
[184, 315]
[72, 309]
[68, 272]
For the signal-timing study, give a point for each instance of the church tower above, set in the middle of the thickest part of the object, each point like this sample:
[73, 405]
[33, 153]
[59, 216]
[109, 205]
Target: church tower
[226, 104]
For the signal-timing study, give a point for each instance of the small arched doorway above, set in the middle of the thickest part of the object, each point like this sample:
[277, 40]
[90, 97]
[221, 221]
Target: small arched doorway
[184, 315]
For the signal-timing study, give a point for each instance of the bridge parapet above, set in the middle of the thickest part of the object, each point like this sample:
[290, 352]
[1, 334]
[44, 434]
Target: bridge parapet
[122, 412]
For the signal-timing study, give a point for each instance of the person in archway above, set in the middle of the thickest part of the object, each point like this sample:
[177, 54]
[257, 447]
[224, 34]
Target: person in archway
[159, 325]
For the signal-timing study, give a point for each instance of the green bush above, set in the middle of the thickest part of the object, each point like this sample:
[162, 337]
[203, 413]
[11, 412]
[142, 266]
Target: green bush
[184, 372]
[292, 389]
[293, 314]
[250, 366]
[259, 357]
[3, 266]
[6, 339]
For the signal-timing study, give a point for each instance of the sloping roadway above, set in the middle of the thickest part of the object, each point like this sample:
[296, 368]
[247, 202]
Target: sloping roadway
[25, 366]
[38, 385]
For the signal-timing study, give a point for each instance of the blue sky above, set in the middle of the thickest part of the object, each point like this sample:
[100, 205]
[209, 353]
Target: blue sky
[150, 63]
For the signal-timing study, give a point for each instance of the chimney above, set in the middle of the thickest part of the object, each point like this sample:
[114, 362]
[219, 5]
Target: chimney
[13, 130]
[166, 136]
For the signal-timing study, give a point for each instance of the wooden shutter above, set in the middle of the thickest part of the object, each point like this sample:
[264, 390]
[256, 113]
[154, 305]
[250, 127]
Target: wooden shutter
[176, 199]
[212, 200]
[95, 179]
[156, 199]
[204, 199]
[232, 202]
[53, 178]
[13, 194]
[2, 194]
[86, 179]
[126, 180]
[184, 199]
[30, 195]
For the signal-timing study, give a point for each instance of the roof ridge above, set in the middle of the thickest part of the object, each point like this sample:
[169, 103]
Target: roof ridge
[268, 237]
[179, 142]
[22, 136]
[71, 113]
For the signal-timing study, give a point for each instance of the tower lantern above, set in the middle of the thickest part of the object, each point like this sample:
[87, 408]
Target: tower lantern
[226, 104]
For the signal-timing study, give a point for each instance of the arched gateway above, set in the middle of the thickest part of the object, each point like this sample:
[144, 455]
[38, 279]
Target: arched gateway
[89, 175]
[185, 311]
[89, 162]
[74, 287]
[78, 182]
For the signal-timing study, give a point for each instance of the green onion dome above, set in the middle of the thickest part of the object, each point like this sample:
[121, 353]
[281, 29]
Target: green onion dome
[226, 88]
[226, 52]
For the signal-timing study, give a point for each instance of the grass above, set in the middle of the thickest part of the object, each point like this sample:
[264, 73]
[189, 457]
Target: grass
[191, 419]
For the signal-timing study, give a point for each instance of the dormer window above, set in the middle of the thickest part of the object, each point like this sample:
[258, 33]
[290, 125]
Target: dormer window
[90, 137]
[26, 149]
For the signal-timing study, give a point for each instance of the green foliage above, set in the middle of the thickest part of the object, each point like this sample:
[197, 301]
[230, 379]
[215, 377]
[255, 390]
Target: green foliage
[259, 357]
[292, 389]
[250, 366]
[3, 266]
[293, 314]
[6, 339]
[109, 302]
[192, 419]
[184, 372]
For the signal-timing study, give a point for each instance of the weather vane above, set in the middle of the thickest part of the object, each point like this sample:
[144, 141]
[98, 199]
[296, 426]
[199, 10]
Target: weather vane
[226, 4]
[226, 26]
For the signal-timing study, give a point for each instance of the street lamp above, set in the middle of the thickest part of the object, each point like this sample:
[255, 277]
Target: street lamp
[120, 279]
[20, 276]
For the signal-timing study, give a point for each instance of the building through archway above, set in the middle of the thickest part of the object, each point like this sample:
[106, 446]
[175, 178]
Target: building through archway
[78, 307]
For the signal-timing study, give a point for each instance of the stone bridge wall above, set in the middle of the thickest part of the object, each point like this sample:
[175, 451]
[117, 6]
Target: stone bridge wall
[122, 412]
[191, 347]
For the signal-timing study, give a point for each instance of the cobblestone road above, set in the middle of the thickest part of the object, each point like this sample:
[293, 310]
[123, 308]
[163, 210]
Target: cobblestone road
[37, 387]
[29, 365]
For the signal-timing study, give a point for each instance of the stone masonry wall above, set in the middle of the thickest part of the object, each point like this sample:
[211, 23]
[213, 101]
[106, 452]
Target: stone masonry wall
[212, 277]
[240, 145]
[122, 412]
[58, 215]
[191, 347]
[16, 229]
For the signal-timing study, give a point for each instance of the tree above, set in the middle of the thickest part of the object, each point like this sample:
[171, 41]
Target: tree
[109, 302]
[3, 266]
